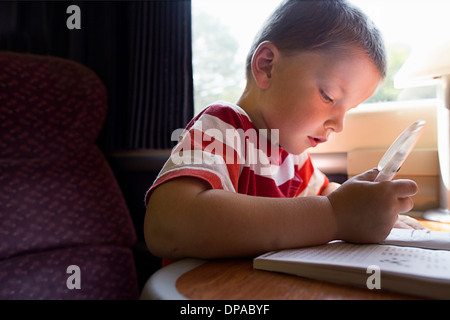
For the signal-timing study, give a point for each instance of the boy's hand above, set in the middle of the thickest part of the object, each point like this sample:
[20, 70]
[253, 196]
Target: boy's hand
[366, 211]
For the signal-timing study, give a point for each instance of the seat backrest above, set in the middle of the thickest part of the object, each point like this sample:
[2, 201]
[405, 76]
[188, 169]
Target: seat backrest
[60, 205]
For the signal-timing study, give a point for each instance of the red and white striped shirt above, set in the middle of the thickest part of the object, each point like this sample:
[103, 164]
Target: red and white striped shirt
[222, 147]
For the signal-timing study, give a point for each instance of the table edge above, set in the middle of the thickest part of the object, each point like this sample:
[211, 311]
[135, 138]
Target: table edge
[162, 284]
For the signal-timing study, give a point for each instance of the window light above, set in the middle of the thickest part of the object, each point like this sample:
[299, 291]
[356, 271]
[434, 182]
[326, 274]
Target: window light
[428, 65]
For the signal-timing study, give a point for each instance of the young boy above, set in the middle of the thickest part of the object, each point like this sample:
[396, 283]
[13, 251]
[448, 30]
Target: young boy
[240, 182]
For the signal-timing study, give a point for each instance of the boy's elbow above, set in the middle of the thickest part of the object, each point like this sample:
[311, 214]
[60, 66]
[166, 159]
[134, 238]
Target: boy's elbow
[153, 234]
[168, 227]
[150, 234]
[160, 238]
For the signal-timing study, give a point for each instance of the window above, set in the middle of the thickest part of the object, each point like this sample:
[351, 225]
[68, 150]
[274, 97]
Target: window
[406, 26]
[223, 32]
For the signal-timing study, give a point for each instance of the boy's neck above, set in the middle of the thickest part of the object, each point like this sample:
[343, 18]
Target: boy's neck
[250, 103]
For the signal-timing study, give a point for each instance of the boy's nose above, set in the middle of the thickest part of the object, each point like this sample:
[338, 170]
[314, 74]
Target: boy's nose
[336, 124]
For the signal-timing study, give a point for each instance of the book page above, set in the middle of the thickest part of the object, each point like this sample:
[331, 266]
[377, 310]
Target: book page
[419, 238]
[394, 259]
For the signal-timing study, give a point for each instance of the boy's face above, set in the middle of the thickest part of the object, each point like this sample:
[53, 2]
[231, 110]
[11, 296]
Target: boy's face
[310, 93]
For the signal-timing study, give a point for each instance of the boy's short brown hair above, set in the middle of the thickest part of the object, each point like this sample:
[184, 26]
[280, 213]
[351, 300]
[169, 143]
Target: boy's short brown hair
[302, 25]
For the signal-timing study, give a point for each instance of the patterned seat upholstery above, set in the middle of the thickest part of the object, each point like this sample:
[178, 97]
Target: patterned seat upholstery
[60, 204]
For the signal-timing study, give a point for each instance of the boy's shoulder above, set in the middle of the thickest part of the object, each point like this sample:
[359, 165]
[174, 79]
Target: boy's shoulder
[225, 112]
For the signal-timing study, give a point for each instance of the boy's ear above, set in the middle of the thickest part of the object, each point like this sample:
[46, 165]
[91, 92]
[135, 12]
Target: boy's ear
[263, 62]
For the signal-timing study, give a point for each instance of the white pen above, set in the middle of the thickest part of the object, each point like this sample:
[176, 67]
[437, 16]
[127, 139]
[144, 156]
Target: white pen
[397, 153]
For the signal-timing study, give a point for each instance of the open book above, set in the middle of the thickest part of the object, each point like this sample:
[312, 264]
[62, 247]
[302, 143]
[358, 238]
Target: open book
[412, 262]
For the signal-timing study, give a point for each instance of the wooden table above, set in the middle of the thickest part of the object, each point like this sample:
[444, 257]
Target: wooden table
[237, 280]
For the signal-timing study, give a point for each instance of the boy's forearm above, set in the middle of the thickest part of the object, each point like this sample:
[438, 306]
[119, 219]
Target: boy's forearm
[216, 223]
[263, 224]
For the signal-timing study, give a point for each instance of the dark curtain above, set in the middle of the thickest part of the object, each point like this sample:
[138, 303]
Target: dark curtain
[140, 49]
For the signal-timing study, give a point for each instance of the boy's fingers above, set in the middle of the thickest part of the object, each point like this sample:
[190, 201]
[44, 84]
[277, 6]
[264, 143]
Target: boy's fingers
[369, 175]
[405, 188]
[405, 205]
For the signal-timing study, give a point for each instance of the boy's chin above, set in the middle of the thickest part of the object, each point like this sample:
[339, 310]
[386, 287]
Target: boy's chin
[296, 149]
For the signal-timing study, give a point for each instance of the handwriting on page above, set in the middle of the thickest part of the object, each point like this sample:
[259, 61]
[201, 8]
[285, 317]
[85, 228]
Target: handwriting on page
[419, 238]
[338, 252]
[415, 260]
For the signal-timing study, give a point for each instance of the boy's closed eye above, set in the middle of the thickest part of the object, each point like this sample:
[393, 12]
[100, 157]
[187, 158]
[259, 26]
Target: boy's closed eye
[326, 97]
